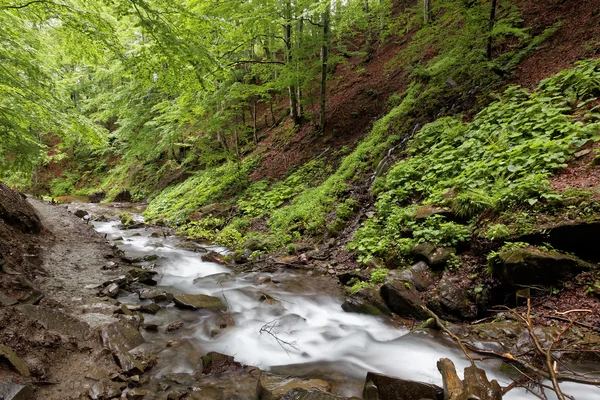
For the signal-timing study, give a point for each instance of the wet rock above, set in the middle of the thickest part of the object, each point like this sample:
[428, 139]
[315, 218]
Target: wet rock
[213, 256]
[142, 275]
[475, 385]
[58, 321]
[110, 265]
[216, 324]
[418, 275]
[257, 244]
[389, 388]
[17, 212]
[120, 337]
[156, 295]
[303, 394]
[366, 301]
[216, 362]
[403, 299]
[106, 389]
[151, 308]
[13, 391]
[138, 394]
[112, 290]
[80, 213]
[149, 327]
[7, 300]
[530, 265]
[174, 326]
[123, 197]
[198, 301]
[451, 302]
[204, 393]
[15, 360]
[96, 197]
[214, 278]
[432, 255]
[272, 387]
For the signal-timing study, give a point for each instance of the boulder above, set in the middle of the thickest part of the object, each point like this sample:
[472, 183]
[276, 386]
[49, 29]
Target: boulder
[142, 275]
[273, 387]
[156, 295]
[151, 308]
[13, 391]
[198, 301]
[432, 255]
[214, 362]
[403, 299]
[419, 275]
[112, 290]
[366, 301]
[533, 266]
[17, 212]
[58, 321]
[15, 360]
[96, 197]
[119, 338]
[80, 213]
[389, 388]
[451, 302]
[123, 197]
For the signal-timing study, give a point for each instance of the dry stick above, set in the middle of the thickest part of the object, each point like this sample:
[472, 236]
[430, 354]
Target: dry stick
[568, 320]
[452, 335]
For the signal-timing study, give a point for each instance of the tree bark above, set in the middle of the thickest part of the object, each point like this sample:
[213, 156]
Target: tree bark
[492, 22]
[324, 59]
[426, 11]
[287, 29]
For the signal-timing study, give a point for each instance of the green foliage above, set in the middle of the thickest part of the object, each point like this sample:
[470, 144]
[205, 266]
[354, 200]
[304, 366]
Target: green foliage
[126, 219]
[379, 275]
[501, 159]
[497, 232]
[175, 204]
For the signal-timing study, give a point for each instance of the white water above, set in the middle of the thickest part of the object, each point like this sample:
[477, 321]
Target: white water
[311, 334]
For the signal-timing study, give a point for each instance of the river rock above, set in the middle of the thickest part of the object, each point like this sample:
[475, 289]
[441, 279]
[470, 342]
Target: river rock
[533, 266]
[418, 275]
[389, 388]
[120, 337]
[151, 308]
[273, 387]
[303, 394]
[106, 389]
[475, 385]
[366, 301]
[217, 362]
[451, 302]
[142, 275]
[96, 197]
[198, 301]
[432, 255]
[156, 295]
[112, 290]
[80, 213]
[13, 391]
[123, 197]
[15, 360]
[58, 321]
[403, 299]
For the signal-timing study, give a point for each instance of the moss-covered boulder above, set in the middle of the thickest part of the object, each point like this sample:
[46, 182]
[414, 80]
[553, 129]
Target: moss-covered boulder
[403, 299]
[528, 265]
[451, 302]
[366, 301]
[198, 301]
[431, 254]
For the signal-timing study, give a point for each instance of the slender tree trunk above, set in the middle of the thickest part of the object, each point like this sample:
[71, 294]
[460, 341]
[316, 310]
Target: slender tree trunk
[300, 31]
[492, 22]
[272, 113]
[289, 59]
[254, 121]
[324, 59]
[426, 11]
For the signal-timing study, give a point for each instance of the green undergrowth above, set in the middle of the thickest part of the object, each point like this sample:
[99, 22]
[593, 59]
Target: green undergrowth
[500, 160]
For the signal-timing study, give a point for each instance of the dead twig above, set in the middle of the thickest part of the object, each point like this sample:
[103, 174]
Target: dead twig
[270, 329]
[452, 335]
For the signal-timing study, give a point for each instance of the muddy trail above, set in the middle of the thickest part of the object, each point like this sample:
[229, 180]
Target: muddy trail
[112, 311]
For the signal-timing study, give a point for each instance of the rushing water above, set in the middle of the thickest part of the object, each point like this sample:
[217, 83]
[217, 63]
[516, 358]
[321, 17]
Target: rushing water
[289, 322]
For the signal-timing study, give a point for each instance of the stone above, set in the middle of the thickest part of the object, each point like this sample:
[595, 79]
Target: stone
[96, 197]
[138, 394]
[7, 300]
[106, 389]
[174, 326]
[475, 384]
[123, 197]
[13, 391]
[119, 338]
[432, 255]
[533, 266]
[389, 388]
[15, 360]
[156, 295]
[151, 308]
[418, 275]
[17, 212]
[273, 387]
[366, 301]
[403, 299]
[58, 321]
[451, 302]
[142, 275]
[112, 290]
[303, 394]
[217, 362]
[198, 301]
[80, 213]
[429, 211]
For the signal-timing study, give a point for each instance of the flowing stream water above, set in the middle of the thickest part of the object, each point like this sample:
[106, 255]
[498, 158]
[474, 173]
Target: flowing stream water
[289, 322]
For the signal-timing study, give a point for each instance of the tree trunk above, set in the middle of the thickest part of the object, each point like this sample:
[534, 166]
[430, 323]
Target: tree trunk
[287, 30]
[300, 31]
[492, 22]
[426, 11]
[254, 122]
[324, 59]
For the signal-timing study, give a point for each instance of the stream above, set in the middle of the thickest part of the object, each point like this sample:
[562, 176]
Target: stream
[289, 322]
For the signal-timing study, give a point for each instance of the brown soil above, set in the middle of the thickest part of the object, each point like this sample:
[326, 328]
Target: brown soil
[577, 38]
[582, 173]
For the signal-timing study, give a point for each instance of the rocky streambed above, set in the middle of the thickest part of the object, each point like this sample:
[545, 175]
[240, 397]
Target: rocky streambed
[159, 317]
